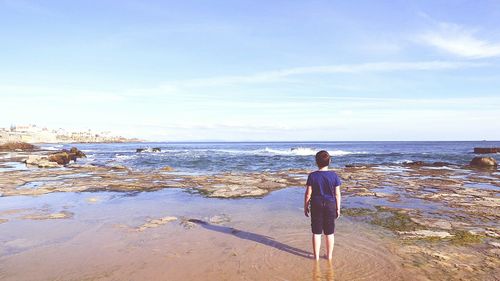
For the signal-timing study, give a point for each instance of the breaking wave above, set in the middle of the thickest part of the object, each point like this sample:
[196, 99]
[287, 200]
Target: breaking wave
[304, 151]
[54, 147]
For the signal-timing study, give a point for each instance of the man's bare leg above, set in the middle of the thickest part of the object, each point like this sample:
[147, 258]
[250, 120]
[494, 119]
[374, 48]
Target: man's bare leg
[316, 240]
[330, 241]
[316, 276]
[329, 272]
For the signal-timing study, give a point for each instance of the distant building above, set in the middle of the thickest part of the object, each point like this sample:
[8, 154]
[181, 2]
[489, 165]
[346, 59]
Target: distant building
[35, 134]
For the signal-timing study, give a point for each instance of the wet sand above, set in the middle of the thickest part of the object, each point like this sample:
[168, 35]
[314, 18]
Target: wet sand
[226, 239]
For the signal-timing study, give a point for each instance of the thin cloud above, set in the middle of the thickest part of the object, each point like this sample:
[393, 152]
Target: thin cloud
[458, 40]
[284, 74]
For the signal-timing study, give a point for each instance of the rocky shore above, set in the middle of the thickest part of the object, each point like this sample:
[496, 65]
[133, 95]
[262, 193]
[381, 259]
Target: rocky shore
[445, 216]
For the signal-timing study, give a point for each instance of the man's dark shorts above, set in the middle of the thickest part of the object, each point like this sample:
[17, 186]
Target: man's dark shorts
[323, 215]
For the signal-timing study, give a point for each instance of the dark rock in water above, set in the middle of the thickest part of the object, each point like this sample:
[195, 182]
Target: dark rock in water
[357, 165]
[167, 169]
[149, 149]
[119, 167]
[64, 156]
[441, 164]
[17, 146]
[486, 150]
[416, 163]
[61, 158]
[426, 164]
[77, 152]
[484, 162]
[40, 161]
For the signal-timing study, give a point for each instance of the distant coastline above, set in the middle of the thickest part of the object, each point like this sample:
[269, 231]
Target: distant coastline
[37, 134]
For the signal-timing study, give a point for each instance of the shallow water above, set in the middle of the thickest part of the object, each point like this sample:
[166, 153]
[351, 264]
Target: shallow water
[264, 239]
[12, 166]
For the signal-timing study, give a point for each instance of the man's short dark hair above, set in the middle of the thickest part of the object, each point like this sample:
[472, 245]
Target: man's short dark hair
[322, 158]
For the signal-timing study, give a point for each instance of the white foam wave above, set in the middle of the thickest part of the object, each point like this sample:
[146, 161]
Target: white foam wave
[299, 151]
[125, 157]
[296, 151]
[404, 161]
[343, 152]
[55, 147]
[304, 151]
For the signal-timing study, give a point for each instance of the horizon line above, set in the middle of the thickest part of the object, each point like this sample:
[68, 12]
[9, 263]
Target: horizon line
[274, 141]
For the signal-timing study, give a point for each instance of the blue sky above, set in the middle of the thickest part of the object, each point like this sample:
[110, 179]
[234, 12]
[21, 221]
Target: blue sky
[254, 70]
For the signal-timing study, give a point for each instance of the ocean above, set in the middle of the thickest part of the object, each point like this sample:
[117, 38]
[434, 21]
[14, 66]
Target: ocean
[216, 157]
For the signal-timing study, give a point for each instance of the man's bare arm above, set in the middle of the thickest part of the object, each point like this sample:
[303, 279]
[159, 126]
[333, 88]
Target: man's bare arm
[337, 199]
[307, 200]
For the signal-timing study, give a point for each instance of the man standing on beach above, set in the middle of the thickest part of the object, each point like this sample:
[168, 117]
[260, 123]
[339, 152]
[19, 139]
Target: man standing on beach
[322, 200]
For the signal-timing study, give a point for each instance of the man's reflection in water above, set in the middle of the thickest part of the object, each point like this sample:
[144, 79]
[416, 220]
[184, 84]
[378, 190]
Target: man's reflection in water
[317, 274]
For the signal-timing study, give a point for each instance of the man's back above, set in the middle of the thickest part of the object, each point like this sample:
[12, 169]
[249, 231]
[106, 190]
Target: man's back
[323, 184]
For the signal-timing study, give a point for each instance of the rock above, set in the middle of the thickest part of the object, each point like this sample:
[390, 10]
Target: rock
[441, 164]
[64, 156]
[426, 234]
[232, 190]
[440, 256]
[486, 150]
[152, 223]
[492, 202]
[495, 252]
[422, 163]
[188, 224]
[476, 231]
[61, 158]
[119, 167]
[492, 234]
[383, 194]
[415, 163]
[34, 159]
[77, 152]
[17, 146]
[154, 149]
[167, 169]
[41, 162]
[355, 166]
[494, 244]
[60, 215]
[220, 219]
[434, 223]
[483, 162]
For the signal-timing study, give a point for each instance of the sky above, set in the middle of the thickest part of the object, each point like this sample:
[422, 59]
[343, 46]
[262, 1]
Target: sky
[254, 70]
